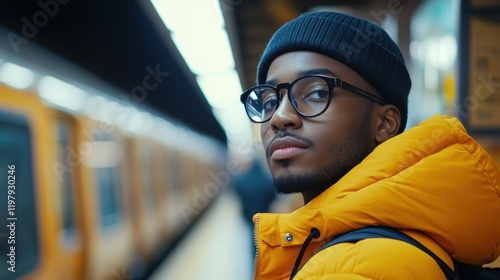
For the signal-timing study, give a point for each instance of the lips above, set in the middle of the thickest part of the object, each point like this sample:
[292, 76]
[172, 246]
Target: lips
[286, 147]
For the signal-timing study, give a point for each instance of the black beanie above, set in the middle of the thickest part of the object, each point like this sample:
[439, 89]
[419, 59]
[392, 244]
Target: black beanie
[361, 45]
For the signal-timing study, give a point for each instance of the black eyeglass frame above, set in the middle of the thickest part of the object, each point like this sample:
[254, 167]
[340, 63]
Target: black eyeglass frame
[330, 81]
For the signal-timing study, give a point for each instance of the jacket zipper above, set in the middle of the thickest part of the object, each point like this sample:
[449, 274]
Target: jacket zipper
[255, 240]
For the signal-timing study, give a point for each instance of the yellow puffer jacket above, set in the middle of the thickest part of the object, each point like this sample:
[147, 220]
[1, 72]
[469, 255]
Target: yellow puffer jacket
[433, 181]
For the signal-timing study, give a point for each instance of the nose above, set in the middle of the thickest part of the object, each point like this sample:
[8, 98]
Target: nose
[285, 115]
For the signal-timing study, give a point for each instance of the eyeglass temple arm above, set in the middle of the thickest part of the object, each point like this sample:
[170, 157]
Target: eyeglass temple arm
[361, 92]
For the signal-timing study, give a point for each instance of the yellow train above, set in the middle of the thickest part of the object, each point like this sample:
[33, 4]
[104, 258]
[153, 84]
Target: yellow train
[93, 188]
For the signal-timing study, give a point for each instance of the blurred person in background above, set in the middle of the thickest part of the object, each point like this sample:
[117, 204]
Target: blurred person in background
[332, 100]
[254, 188]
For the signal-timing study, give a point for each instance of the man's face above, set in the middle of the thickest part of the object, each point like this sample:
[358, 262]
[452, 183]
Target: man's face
[308, 155]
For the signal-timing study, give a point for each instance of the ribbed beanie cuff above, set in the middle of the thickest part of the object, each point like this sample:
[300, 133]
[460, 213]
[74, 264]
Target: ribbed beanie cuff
[361, 45]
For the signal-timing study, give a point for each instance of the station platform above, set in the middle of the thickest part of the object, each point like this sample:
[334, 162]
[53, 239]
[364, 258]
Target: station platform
[218, 246]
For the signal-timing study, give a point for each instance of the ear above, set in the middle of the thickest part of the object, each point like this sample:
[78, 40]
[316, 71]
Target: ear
[387, 122]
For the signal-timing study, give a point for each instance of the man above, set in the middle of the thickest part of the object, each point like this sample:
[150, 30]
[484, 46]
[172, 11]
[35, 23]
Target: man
[332, 100]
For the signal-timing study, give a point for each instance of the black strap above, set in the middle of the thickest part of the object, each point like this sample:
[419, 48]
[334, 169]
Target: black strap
[314, 234]
[386, 232]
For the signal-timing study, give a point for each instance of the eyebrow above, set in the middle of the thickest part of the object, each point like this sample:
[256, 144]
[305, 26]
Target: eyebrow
[314, 71]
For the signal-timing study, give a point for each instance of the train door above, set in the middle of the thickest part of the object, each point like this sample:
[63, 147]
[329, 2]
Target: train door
[172, 169]
[160, 190]
[19, 234]
[146, 228]
[65, 167]
[107, 230]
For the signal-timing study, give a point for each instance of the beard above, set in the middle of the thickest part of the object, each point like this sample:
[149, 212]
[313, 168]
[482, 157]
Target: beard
[344, 157]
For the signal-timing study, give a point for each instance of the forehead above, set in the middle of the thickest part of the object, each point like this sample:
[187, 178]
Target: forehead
[290, 66]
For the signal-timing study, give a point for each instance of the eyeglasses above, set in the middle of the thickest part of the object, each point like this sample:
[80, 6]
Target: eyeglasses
[310, 96]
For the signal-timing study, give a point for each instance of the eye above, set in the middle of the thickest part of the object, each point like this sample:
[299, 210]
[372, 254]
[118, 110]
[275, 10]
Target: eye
[269, 102]
[318, 93]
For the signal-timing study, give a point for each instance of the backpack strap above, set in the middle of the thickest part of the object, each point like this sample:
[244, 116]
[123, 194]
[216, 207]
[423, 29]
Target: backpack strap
[387, 232]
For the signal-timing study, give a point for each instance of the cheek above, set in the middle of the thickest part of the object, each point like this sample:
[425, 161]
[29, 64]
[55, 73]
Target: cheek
[265, 134]
[325, 139]
[336, 128]
[348, 114]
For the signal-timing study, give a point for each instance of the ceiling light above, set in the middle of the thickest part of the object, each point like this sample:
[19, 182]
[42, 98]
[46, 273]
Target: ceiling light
[16, 76]
[205, 52]
[61, 93]
[221, 90]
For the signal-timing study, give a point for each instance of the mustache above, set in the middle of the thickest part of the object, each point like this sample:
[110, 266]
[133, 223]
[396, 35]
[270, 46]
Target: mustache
[287, 134]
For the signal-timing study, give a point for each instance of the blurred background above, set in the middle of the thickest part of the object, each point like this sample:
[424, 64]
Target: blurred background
[123, 143]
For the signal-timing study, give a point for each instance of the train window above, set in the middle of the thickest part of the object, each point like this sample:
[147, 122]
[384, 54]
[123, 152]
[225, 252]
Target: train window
[104, 157]
[19, 238]
[107, 181]
[147, 167]
[66, 181]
